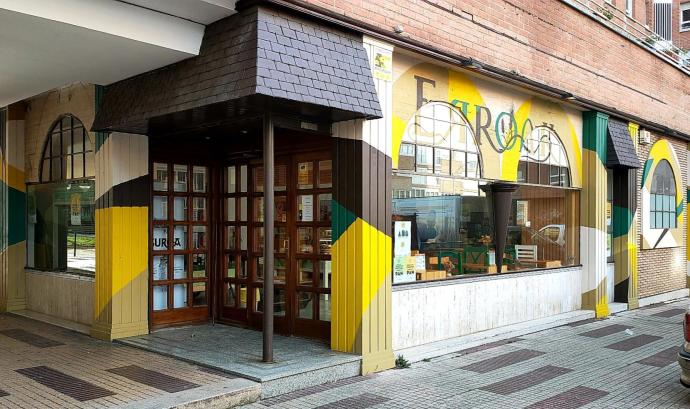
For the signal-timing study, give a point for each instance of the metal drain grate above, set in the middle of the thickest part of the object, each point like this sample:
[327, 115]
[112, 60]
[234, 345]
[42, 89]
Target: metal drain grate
[30, 338]
[66, 384]
[153, 379]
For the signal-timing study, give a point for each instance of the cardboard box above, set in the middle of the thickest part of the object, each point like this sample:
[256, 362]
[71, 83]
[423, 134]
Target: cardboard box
[431, 275]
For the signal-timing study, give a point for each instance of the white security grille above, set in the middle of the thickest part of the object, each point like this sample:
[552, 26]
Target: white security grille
[663, 18]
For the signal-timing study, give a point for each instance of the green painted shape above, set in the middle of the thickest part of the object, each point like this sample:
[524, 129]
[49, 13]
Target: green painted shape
[595, 133]
[100, 136]
[342, 219]
[687, 196]
[622, 220]
[16, 210]
[645, 171]
[679, 208]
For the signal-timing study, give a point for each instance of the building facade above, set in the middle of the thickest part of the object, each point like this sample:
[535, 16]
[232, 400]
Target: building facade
[438, 171]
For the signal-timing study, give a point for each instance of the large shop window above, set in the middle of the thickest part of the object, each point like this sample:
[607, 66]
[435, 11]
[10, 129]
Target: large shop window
[61, 207]
[443, 216]
[663, 197]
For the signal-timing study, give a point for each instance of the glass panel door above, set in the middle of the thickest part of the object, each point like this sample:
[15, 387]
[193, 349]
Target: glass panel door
[313, 238]
[179, 245]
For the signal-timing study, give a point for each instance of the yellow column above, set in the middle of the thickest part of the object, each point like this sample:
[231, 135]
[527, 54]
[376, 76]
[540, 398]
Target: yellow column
[122, 226]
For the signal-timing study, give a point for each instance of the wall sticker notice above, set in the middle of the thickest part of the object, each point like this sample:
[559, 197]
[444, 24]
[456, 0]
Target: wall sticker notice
[403, 238]
[306, 208]
[404, 269]
[383, 64]
[75, 209]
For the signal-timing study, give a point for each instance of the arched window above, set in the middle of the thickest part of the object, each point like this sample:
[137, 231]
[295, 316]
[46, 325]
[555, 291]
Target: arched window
[68, 151]
[61, 208]
[663, 197]
[440, 142]
[543, 160]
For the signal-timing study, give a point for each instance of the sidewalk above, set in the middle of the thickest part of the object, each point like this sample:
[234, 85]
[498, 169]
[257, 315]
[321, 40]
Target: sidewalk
[44, 366]
[625, 361]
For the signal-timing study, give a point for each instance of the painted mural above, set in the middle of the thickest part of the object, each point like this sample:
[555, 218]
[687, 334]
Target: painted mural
[660, 202]
[499, 117]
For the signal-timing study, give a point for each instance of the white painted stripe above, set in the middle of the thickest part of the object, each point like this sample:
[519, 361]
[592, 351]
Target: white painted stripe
[122, 157]
[592, 257]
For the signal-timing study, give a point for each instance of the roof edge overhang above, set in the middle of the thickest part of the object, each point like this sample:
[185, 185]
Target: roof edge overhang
[469, 63]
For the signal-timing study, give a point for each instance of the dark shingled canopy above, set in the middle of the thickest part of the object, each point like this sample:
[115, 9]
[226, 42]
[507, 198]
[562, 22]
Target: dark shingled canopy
[620, 151]
[257, 57]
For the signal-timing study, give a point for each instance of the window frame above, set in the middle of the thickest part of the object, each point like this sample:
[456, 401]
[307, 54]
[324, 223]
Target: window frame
[668, 201]
[684, 25]
[564, 173]
[88, 148]
[66, 157]
[412, 150]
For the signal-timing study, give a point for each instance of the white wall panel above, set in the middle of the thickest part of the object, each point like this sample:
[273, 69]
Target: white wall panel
[436, 311]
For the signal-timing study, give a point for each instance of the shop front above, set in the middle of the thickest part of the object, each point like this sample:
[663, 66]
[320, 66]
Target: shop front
[463, 250]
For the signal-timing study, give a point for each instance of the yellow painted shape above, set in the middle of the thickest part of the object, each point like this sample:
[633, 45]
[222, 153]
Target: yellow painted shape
[511, 158]
[461, 87]
[575, 161]
[399, 128]
[15, 178]
[121, 297]
[661, 150]
[362, 263]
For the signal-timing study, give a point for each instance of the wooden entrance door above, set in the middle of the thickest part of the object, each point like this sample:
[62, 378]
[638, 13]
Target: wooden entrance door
[180, 248]
[302, 242]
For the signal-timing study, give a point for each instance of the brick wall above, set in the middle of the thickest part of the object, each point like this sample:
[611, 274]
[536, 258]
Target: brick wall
[546, 41]
[44, 109]
[661, 270]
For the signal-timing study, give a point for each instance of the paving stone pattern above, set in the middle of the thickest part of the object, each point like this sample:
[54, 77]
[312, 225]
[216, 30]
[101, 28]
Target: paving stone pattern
[670, 313]
[58, 368]
[604, 331]
[573, 371]
[65, 384]
[30, 338]
[570, 399]
[153, 379]
[633, 342]
[661, 359]
[502, 361]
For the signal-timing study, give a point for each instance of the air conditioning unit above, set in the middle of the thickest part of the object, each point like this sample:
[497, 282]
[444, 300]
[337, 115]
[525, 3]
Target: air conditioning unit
[645, 137]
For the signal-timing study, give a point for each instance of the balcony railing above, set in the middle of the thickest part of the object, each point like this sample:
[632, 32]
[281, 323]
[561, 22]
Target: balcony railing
[635, 31]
